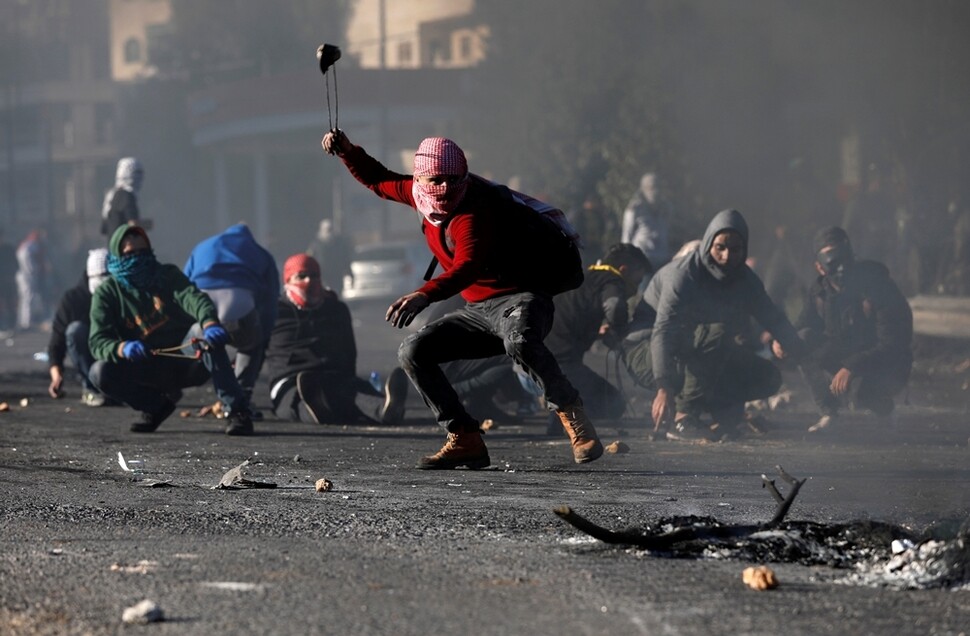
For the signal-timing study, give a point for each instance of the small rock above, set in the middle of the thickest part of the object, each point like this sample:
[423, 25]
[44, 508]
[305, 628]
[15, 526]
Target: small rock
[617, 448]
[185, 413]
[143, 613]
[324, 485]
[4, 407]
[489, 425]
[24, 402]
[759, 578]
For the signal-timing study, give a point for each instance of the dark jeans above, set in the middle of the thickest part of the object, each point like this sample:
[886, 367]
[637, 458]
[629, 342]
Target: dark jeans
[143, 385]
[479, 380]
[247, 338]
[515, 325]
[718, 375]
[874, 390]
[336, 398]
[76, 336]
[600, 398]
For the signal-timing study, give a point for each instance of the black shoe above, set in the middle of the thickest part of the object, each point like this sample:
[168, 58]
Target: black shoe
[395, 396]
[687, 429]
[310, 389]
[151, 421]
[239, 424]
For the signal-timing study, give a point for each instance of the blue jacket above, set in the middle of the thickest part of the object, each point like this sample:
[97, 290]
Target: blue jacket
[234, 259]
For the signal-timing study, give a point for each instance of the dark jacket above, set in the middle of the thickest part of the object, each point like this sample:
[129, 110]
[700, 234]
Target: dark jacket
[869, 320]
[581, 311]
[75, 306]
[121, 207]
[693, 291]
[321, 339]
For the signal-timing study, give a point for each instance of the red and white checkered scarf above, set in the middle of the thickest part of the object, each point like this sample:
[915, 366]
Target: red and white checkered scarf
[305, 293]
[439, 156]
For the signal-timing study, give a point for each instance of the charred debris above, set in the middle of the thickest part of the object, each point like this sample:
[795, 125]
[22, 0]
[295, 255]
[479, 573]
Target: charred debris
[880, 554]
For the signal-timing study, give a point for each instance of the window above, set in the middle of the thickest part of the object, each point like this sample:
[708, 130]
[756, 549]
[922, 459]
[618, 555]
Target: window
[465, 46]
[404, 53]
[132, 51]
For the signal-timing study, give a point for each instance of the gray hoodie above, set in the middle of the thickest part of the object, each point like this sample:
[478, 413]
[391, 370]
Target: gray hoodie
[694, 290]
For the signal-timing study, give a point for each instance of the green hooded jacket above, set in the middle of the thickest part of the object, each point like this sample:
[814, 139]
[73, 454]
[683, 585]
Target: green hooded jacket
[159, 317]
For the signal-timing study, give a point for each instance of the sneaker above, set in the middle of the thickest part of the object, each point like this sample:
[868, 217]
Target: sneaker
[151, 421]
[92, 398]
[823, 423]
[461, 449]
[395, 396]
[586, 445]
[687, 429]
[310, 389]
[239, 424]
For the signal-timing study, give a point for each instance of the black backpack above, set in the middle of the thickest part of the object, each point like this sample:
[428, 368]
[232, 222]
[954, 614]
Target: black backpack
[540, 254]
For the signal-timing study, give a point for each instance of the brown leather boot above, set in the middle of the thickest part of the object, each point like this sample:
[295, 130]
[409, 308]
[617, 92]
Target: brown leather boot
[582, 435]
[461, 449]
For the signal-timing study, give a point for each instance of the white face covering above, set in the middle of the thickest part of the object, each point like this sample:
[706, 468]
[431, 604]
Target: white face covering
[95, 281]
[97, 268]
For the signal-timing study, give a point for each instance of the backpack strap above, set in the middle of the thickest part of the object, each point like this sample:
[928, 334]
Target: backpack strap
[429, 273]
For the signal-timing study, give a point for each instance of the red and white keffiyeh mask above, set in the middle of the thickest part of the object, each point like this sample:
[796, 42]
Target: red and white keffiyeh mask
[301, 281]
[439, 157]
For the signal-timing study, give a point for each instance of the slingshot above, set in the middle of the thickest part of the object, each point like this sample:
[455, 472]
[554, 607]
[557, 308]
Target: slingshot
[197, 344]
[328, 54]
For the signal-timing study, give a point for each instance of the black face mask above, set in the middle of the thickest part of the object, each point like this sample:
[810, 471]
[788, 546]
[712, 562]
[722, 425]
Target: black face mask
[835, 262]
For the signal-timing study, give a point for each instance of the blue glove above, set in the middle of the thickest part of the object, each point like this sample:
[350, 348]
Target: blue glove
[215, 335]
[134, 350]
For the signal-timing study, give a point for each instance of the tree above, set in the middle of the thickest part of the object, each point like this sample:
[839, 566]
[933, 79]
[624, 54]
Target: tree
[571, 98]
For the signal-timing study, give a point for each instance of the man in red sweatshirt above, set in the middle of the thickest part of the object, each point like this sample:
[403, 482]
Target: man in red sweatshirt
[488, 260]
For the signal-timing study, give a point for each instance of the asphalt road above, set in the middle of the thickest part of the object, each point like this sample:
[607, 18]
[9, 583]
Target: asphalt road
[394, 550]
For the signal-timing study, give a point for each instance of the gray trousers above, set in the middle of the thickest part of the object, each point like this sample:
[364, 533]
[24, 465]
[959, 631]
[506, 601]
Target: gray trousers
[718, 375]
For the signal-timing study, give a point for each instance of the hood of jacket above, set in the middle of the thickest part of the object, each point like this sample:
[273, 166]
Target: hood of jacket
[725, 220]
[114, 245]
[129, 174]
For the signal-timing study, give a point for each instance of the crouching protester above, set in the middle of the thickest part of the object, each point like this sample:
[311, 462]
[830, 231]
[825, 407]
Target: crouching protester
[597, 310]
[241, 278]
[312, 353]
[859, 329]
[69, 331]
[140, 318]
[703, 302]
[469, 227]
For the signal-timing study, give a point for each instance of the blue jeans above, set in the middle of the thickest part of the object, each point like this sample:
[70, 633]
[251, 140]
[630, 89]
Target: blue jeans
[76, 335]
[247, 337]
[144, 385]
[514, 325]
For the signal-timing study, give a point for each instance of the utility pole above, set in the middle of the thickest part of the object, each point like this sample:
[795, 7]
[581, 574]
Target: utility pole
[382, 96]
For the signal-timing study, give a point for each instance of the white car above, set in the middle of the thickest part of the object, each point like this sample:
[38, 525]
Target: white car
[386, 271]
